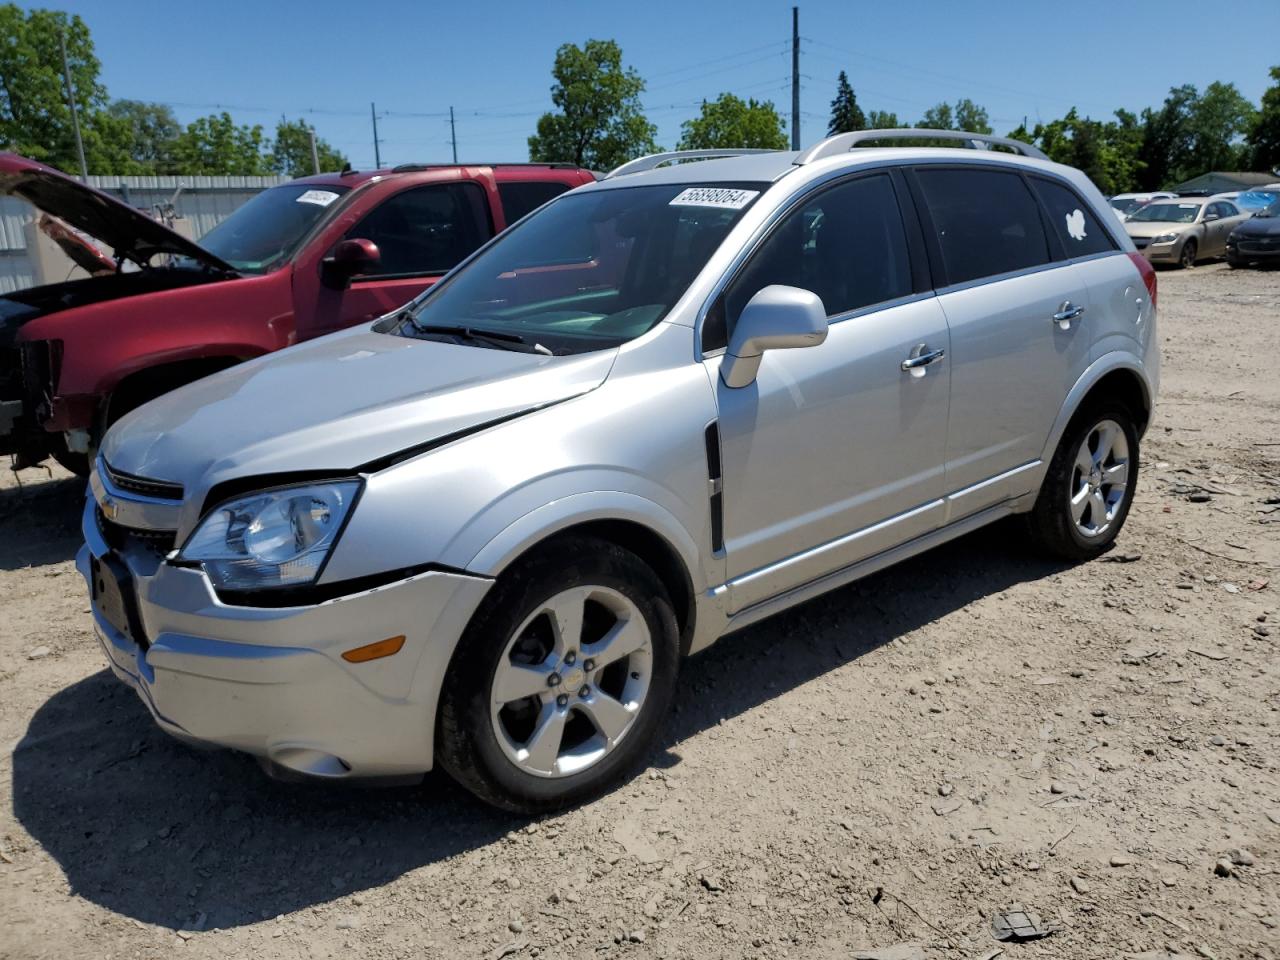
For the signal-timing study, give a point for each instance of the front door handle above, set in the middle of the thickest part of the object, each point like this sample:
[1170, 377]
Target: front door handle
[1066, 313]
[920, 358]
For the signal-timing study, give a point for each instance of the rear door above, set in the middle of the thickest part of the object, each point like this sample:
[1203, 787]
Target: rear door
[421, 233]
[1018, 317]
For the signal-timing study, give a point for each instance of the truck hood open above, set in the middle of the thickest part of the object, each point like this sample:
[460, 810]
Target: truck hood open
[337, 404]
[128, 232]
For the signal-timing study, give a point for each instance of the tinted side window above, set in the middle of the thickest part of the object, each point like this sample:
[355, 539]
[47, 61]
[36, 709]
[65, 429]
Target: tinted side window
[426, 230]
[1078, 230]
[846, 244]
[987, 222]
[520, 197]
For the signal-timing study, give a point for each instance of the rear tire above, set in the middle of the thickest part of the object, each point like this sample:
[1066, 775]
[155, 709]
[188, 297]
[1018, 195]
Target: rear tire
[529, 722]
[1089, 486]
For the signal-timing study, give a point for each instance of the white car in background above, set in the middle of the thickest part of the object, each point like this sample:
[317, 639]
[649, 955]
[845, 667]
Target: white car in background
[1125, 203]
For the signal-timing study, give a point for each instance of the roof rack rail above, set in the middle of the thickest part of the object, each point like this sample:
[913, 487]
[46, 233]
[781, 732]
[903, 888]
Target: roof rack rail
[655, 160]
[415, 167]
[844, 142]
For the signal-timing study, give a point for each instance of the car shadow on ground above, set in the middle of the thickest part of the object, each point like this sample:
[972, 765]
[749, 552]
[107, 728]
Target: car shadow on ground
[40, 521]
[165, 834]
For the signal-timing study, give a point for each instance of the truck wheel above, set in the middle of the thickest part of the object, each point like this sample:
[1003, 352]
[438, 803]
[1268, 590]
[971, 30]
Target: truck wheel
[560, 684]
[1089, 486]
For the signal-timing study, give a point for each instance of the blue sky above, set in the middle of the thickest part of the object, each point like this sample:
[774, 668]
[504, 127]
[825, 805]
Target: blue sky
[327, 61]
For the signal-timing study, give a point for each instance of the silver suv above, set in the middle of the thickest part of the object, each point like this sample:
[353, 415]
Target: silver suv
[485, 529]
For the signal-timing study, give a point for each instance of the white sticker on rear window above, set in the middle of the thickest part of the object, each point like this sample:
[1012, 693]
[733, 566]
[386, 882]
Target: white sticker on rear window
[723, 197]
[1075, 225]
[321, 198]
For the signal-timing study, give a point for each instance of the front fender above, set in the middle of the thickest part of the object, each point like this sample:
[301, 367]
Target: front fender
[1099, 368]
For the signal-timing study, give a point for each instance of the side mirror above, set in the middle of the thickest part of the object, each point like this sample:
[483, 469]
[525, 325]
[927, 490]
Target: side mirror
[1210, 216]
[350, 258]
[776, 318]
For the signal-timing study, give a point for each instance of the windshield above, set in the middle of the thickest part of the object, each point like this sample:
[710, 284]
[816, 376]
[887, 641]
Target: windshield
[1271, 211]
[264, 232]
[1166, 213]
[589, 271]
[1252, 200]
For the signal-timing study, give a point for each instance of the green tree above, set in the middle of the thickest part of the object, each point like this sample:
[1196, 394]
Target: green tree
[1166, 139]
[846, 115]
[600, 123]
[1219, 119]
[1107, 152]
[938, 117]
[35, 119]
[1264, 138]
[730, 122]
[965, 115]
[883, 120]
[148, 133]
[291, 151]
[215, 145]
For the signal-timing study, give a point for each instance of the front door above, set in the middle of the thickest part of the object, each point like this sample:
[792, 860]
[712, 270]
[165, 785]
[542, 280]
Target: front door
[835, 452]
[421, 233]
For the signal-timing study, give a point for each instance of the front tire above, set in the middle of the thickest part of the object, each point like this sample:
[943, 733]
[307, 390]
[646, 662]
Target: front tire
[1089, 486]
[560, 684]
[1187, 258]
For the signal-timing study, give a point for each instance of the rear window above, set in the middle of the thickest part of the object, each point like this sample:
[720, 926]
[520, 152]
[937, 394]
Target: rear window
[987, 222]
[520, 197]
[1077, 228]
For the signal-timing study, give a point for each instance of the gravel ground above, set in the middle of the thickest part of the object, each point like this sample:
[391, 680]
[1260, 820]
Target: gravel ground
[879, 772]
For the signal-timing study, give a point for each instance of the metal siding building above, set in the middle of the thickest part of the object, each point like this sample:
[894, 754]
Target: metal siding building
[203, 202]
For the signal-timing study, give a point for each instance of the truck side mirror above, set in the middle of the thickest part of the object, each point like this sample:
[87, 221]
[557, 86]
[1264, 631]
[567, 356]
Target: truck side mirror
[350, 258]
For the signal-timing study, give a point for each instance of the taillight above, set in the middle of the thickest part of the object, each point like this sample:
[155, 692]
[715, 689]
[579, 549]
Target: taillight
[1148, 275]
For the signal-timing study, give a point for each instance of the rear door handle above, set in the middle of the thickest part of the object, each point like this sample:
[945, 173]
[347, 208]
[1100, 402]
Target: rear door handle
[920, 358]
[1066, 313]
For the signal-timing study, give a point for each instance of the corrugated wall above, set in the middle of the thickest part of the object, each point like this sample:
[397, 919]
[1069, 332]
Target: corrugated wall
[205, 201]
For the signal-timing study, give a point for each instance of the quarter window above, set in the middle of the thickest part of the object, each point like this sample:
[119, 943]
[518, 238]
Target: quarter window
[426, 230]
[1079, 232]
[846, 244]
[987, 222]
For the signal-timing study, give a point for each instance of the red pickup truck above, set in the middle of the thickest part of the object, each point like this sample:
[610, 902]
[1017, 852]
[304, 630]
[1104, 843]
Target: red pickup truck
[297, 261]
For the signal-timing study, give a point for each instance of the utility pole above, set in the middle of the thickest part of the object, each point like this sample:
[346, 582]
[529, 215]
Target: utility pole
[453, 136]
[315, 155]
[71, 102]
[795, 78]
[377, 153]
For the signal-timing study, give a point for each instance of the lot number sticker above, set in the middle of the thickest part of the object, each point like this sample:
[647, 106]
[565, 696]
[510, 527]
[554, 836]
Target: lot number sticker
[722, 197]
[321, 198]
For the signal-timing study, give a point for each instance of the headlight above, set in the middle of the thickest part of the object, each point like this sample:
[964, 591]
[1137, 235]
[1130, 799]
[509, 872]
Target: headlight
[1165, 238]
[278, 538]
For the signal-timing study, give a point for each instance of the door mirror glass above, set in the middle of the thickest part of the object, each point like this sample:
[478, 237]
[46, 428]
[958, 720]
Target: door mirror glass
[776, 318]
[351, 258]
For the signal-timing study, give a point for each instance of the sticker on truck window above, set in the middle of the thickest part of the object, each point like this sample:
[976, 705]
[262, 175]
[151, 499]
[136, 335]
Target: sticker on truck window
[321, 198]
[723, 197]
[1075, 225]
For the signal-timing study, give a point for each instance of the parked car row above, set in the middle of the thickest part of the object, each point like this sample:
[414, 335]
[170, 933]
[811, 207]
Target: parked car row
[297, 261]
[1181, 231]
[482, 530]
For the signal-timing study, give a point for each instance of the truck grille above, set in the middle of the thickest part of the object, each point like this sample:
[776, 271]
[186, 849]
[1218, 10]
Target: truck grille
[128, 483]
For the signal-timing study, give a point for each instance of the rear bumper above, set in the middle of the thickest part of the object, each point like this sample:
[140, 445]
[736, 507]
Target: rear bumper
[271, 682]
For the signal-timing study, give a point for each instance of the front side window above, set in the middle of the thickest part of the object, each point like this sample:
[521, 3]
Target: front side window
[987, 222]
[425, 230]
[1167, 211]
[590, 271]
[1077, 228]
[845, 243]
[262, 234]
[522, 197]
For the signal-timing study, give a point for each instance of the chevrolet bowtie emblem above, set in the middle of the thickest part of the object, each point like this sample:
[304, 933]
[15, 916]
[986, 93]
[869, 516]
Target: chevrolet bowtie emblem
[110, 508]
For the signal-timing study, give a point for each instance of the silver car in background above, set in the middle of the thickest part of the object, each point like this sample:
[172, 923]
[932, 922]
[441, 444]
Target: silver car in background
[483, 531]
[1183, 231]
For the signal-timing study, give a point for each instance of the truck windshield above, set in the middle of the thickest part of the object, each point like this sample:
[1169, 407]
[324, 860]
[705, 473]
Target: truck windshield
[263, 233]
[592, 270]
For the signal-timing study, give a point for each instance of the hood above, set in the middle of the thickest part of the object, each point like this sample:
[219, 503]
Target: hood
[1147, 230]
[1258, 227]
[335, 404]
[128, 232]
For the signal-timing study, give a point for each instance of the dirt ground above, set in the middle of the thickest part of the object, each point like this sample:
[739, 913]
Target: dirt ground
[880, 771]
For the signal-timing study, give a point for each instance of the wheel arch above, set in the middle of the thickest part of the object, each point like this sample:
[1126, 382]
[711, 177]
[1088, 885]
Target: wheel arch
[170, 374]
[1114, 376]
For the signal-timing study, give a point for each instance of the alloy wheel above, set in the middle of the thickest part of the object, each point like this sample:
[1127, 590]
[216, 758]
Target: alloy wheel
[1099, 478]
[572, 681]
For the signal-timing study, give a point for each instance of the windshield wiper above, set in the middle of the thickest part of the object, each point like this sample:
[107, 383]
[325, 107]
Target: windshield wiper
[496, 337]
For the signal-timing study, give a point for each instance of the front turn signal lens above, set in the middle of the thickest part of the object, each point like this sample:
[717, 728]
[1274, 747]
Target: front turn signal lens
[374, 651]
